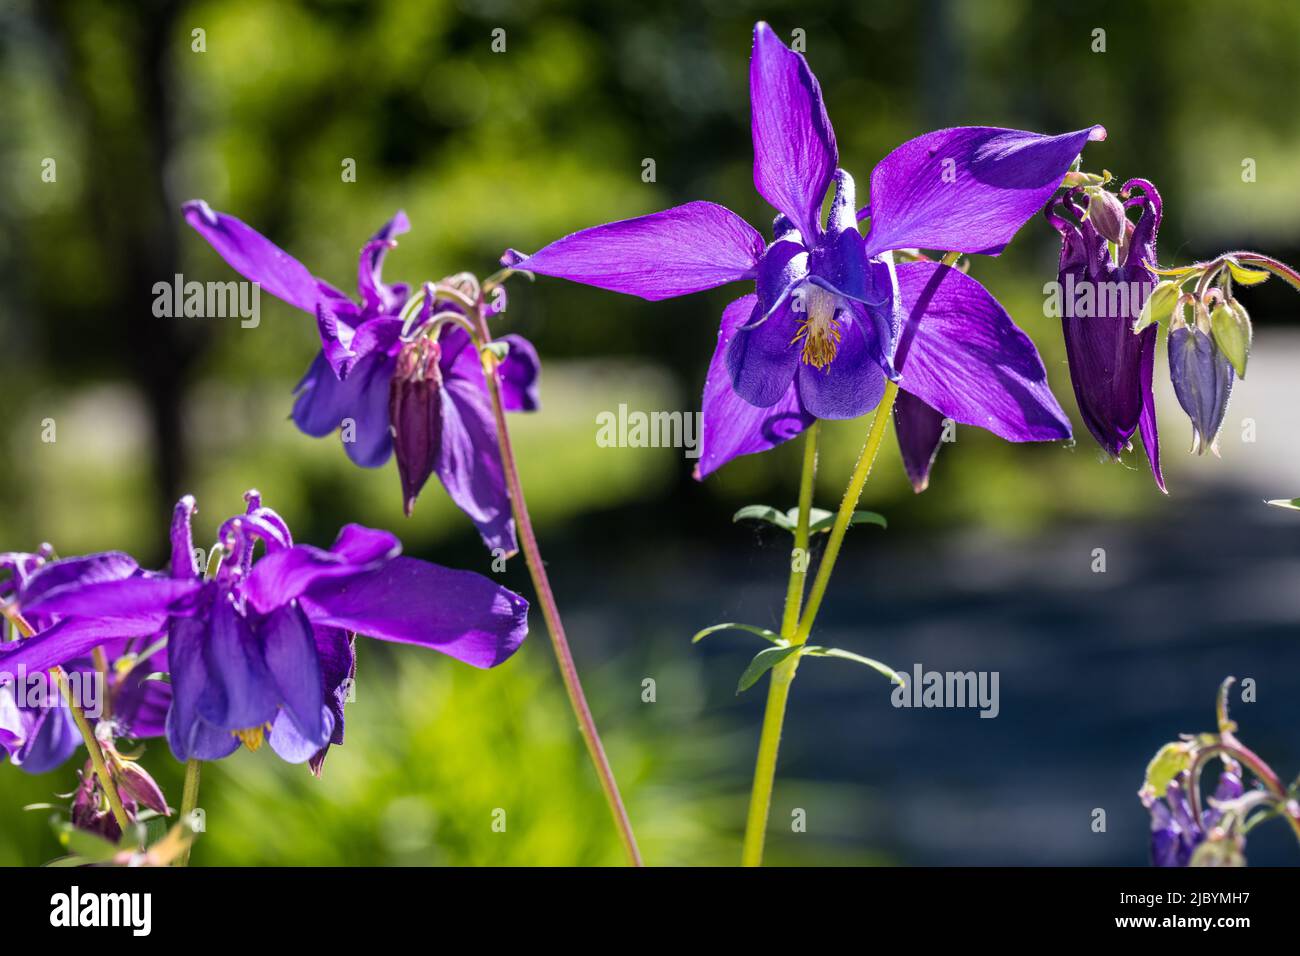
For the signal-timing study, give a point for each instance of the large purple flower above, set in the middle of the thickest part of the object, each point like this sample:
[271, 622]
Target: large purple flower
[263, 648]
[833, 315]
[349, 384]
[1110, 367]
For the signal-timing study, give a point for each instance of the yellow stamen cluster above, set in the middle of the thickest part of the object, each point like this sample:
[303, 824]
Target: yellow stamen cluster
[819, 330]
[253, 737]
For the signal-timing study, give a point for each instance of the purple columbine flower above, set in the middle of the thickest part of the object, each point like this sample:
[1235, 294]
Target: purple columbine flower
[36, 728]
[833, 314]
[349, 385]
[263, 649]
[1110, 367]
[1175, 832]
[1202, 377]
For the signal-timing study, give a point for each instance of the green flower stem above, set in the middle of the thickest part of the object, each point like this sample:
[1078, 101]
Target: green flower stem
[83, 725]
[778, 691]
[799, 558]
[546, 597]
[189, 801]
[851, 495]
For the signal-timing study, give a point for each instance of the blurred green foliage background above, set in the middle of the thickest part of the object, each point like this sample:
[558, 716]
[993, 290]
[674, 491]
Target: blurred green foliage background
[486, 150]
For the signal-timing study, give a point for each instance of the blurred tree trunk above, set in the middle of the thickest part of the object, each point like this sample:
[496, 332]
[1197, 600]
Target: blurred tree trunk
[128, 121]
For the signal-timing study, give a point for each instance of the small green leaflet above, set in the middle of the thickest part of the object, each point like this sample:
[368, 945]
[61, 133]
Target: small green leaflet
[1245, 276]
[819, 519]
[763, 662]
[760, 631]
[1169, 761]
[1291, 504]
[883, 669]
[763, 513]
[859, 517]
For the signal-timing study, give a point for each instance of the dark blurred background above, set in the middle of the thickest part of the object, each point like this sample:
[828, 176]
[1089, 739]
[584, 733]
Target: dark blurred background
[991, 569]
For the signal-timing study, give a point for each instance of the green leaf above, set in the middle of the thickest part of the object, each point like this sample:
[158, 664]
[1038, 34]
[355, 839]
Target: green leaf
[1244, 276]
[1183, 271]
[859, 517]
[1232, 334]
[84, 844]
[883, 669]
[760, 631]
[764, 513]
[1159, 305]
[1169, 761]
[814, 515]
[763, 662]
[1291, 504]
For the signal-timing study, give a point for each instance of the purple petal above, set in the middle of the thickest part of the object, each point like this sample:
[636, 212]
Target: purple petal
[762, 361]
[188, 734]
[684, 249]
[731, 426]
[140, 705]
[794, 145]
[50, 739]
[961, 354]
[254, 256]
[366, 548]
[289, 742]
[280, 578]
[240, 692]
[762, 357]
[359, 403]
[967, 189]
[67, 640]
[1147, 420]
[519, 374]
[67, 575]
[183, 564]
[290, 648]
[338, 662]
[377, 296]
[920, 436]
[134, 604]
[469, 463]
[459, 613]
[348, 335]
[853, 383]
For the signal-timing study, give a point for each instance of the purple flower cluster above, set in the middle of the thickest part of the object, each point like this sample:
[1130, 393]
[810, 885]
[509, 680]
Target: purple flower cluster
[360, 382]
[834, 313]
[259, 650]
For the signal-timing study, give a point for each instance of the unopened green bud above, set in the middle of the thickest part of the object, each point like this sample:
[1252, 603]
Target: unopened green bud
[1159, 304]
[1232, 333]
[1107, 214]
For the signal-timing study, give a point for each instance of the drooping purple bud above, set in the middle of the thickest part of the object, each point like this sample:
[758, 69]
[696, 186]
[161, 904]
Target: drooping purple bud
[415, 415]
[1202, 378]
[90, 809]
[134, 781]
[1110, 366]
